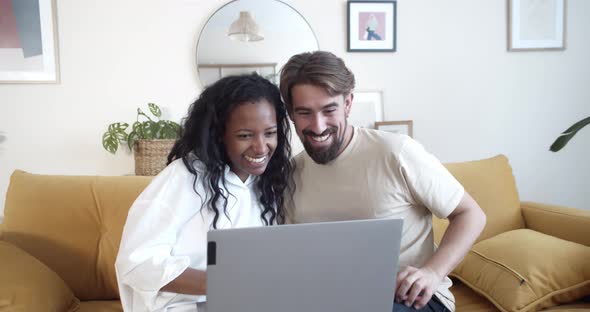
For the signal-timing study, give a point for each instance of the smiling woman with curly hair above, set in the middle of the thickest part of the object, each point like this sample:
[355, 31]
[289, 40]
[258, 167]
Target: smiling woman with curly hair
[230, 168]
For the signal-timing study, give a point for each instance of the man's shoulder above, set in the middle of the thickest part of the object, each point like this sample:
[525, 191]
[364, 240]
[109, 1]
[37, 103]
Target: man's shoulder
[299, 160]
[379, 141]
[300, 157]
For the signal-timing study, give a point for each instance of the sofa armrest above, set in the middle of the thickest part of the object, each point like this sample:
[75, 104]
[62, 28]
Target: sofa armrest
[566, 223]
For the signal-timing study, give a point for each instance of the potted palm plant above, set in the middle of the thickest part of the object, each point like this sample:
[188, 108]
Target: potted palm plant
[568, 134]
[150, 138]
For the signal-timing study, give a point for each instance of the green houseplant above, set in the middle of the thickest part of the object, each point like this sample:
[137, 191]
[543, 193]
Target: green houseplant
[151, 128]
[568, 134]
[150, 138]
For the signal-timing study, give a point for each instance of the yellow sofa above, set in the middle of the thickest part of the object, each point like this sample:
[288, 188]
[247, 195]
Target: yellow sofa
[60, 236]
[520, 231]
[73, 225]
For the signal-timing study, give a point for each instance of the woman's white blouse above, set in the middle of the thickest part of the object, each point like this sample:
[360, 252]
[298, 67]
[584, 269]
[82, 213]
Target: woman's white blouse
[166, 232]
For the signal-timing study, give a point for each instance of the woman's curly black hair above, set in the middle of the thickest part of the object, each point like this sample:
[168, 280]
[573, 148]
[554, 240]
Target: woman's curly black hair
[201, 138]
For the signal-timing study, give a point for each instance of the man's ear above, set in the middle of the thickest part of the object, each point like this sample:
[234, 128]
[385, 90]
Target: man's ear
[348, 103]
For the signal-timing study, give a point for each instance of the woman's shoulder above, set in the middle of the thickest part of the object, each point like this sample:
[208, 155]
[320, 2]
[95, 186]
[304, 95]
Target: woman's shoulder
[183, 167]
[175, 192]
[175, 177]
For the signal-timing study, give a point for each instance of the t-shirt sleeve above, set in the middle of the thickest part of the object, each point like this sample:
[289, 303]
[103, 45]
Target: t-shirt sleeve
[430, 183]
[145, 262]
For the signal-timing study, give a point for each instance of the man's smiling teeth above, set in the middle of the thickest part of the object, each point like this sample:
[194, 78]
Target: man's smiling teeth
[255, 160]
[320, 138]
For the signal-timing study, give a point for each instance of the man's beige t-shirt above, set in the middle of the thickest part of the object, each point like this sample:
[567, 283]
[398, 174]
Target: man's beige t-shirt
[380, 175]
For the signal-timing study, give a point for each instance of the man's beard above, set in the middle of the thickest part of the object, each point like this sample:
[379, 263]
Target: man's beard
[325, 155]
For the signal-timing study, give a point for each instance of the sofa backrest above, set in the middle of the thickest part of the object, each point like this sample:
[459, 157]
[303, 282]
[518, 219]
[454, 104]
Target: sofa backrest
[73, 224]
[491, 183]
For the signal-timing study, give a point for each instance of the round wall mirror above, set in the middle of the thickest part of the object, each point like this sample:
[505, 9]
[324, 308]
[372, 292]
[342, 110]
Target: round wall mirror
[246, 36]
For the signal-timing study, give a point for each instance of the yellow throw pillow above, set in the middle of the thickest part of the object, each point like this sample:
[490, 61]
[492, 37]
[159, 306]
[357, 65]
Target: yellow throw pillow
[524, 270]
[26, 284]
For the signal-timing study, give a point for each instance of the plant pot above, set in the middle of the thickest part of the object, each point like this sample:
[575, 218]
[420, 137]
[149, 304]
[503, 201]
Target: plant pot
[151, 156]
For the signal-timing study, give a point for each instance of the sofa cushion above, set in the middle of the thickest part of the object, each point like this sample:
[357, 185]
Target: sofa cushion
[466, 299]
[72, 222]
[491, 183]
[29, 285]
[524, 270]
[101, 306]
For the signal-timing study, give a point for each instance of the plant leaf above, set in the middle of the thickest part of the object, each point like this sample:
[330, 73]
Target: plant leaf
[155, 129]
[568, 134]
[175, 125]
[118, 126]
[110, 142]
[138, 129]
[161, 129]
[155, 109]
[133, 136]
[173, 130]
[167, 129]
[149, 129]
[117, 130]
[121, 136]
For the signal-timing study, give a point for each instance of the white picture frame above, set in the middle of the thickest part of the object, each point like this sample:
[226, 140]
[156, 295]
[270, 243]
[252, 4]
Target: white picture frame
[398, 126]
[28, 43]
[210, 73]
[536, 25]
[367, 108]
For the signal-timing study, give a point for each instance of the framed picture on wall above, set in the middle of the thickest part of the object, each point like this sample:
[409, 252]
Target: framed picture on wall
[367, 108]
[536, 25]
[400, 126]
[28, 42]
[371, 26]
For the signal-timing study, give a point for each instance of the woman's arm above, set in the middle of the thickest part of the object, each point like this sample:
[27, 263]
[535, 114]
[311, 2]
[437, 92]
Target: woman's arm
[151, 260]
[190, 282]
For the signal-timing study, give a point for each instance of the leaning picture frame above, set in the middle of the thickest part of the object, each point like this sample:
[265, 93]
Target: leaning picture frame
[399, 126]
[366, 109]
[371, 26]
[28, 42]
[210, 73]
[536, 25]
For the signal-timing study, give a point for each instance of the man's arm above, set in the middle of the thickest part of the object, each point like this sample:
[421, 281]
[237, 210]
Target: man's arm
[415, 286]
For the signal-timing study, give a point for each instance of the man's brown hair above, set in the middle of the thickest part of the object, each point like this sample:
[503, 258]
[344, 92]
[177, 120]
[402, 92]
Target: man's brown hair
[320, 68]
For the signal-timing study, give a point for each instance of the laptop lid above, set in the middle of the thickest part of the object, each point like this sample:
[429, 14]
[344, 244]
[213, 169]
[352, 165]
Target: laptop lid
[345, 266]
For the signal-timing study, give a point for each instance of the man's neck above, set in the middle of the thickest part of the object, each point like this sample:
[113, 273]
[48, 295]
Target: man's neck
[348, 133]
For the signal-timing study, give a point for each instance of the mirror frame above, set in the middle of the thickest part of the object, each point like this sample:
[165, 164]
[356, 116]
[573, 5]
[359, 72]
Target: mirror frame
[200, 82]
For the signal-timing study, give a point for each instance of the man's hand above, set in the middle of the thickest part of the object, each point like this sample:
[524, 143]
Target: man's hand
[416, 286]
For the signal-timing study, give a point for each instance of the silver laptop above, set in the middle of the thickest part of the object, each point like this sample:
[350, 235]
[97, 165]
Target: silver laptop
[347, 266]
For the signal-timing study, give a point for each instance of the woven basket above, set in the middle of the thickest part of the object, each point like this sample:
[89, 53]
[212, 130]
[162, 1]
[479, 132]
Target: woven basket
[150, 156]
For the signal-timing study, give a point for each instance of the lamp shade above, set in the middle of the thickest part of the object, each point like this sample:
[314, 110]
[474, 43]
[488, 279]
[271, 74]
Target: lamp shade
[245, 28]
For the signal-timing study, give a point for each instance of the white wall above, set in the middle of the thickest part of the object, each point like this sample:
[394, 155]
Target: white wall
[468, 97]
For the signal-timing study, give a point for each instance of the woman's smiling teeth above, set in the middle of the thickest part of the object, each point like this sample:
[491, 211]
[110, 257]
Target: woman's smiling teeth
[256, 160]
